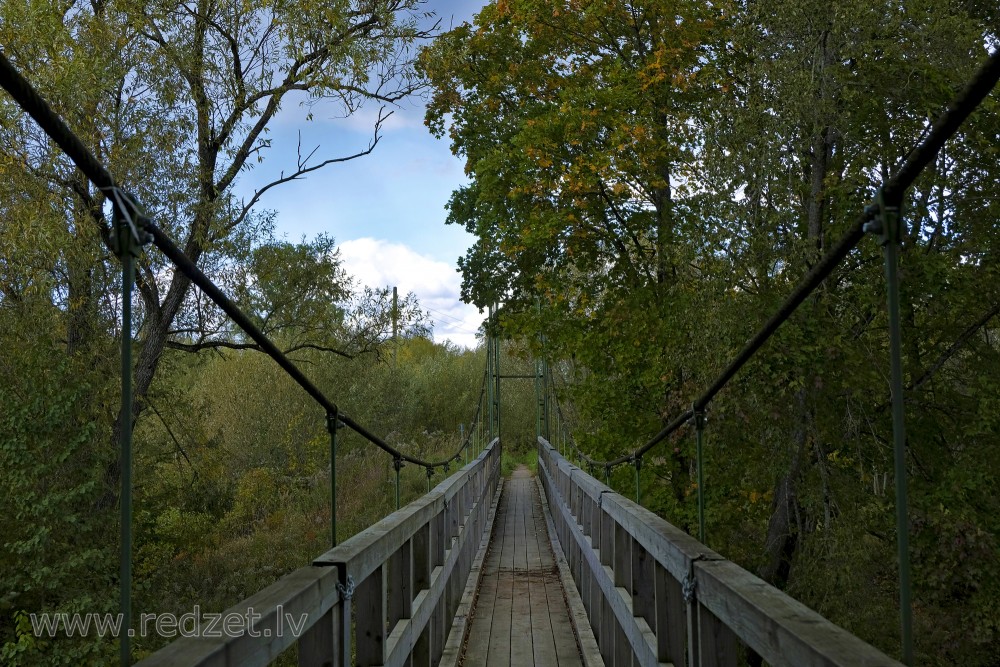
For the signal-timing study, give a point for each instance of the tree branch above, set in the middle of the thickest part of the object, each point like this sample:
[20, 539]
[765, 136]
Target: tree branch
[217, 344]
[302, 169]
[954, 347]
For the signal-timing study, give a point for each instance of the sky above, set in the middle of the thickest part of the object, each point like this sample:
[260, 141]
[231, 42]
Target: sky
[385, 210]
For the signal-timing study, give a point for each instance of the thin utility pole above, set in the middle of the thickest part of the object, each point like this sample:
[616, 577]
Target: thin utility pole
[395, 326]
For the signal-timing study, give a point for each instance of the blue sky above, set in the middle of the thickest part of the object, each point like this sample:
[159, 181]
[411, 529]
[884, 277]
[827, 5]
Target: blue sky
[385, 210]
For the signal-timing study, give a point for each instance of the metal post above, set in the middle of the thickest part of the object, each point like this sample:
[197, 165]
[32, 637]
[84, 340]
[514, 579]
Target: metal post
[699, 426]
[395, 326]
[887, 221]
[496, 366]
[125, 425]
[638, 467]
[545, 396]
[465, 445]
[397, 463]
[607, 476]
[130, 235]
[331, 426]
[538, 399]
[430, 473]
[538, 380]
[489, 374]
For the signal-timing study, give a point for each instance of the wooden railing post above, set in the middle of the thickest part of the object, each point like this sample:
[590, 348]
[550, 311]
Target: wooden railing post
[656, 595]
[438, 635]
[318, 646]
[411, 567]
[717, 643]
[370, 619]
[421, 581]
[400, 579]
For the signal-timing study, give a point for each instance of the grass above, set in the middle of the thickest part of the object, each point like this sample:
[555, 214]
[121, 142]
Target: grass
[509, 460]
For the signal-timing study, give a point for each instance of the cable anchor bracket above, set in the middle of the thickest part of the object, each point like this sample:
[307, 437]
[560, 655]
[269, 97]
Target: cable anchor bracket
[884, 217]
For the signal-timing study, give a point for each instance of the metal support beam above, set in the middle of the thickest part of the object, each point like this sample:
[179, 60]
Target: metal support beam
[125, 456]
[128, 240]
[699, 426]
[331, 426]
[886, 220]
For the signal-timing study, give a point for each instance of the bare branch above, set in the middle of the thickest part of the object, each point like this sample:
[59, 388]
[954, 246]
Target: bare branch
[954, 347]
[229, 345]
[303, 169]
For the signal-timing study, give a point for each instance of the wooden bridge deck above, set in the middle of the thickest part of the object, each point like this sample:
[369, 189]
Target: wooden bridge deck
[521, 617]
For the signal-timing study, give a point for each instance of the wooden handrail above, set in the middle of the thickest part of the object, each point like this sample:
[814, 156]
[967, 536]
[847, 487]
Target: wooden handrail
[397, 584]
[656, 595]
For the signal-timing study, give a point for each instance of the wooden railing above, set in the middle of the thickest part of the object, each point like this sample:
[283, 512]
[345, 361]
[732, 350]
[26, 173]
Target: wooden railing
[656, 595]
[392, 588]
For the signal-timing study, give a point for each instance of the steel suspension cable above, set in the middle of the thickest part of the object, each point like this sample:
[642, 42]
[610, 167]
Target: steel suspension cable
[35, 106]
[891, 191]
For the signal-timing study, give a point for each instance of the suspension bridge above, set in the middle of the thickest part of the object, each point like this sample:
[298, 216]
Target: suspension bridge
[553, 569]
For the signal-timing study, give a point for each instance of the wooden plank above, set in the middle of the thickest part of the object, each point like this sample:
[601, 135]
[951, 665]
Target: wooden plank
[622, 557]
[671, 623]
[618, 606]
[546, 606]
[370, 619]
[521, 630]
[421, 549]
[439, 631]
[428, 630]
[718, 646]
[642, 586]
[782, 630]
[477, 649]
[520, 528]
[201, 651]
[478, 645]
[319, 645]
[529, 623]
[532, 525]
[309, 590]
[586, 651]
[484, 590]
[564, 643]
[400, 581]
[605, 638]
[498, 650]
[622, 650]
[362, 553]
[521, 637]
[669, 545]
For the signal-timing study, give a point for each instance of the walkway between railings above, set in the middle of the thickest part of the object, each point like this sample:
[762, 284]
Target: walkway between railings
[655, 595]
[521, 615]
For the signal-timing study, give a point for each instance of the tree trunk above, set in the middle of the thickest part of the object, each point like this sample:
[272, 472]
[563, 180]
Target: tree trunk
[782, 528]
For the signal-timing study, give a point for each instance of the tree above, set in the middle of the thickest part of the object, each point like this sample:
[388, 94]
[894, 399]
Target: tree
[176, 98]
[178, 107]
[578, 122]
[646, 193]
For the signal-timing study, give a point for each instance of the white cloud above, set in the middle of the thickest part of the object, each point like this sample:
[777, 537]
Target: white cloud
[380, 263]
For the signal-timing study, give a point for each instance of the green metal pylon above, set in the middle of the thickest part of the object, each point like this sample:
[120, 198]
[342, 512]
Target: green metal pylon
[129, 237]
[886, 220]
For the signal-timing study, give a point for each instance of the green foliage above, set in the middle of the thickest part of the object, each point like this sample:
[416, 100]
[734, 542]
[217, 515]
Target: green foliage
[177, 103]
[233, 475]
[646, 191]
[52, 541]
[510, 460]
